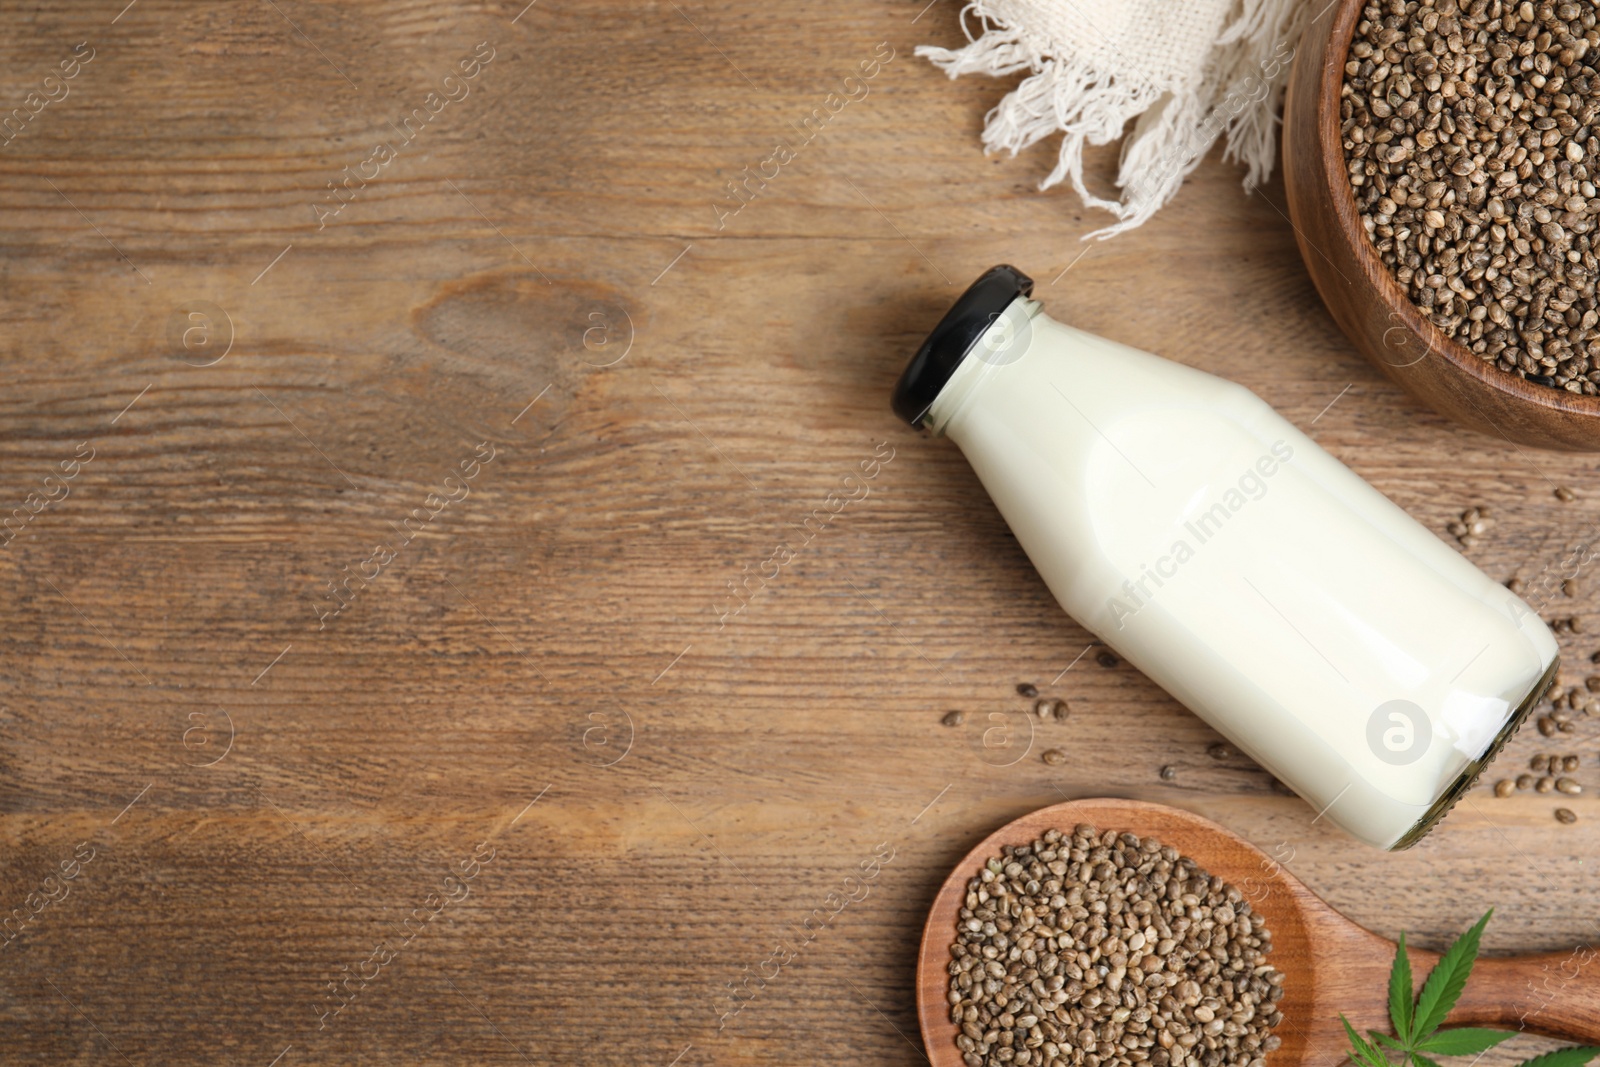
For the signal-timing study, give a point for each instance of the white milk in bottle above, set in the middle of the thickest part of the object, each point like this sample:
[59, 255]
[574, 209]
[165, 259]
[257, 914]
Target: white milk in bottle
[1262, 583]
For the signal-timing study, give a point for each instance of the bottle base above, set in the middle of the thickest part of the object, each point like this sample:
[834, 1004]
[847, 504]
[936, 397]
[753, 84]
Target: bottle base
[1469, 776]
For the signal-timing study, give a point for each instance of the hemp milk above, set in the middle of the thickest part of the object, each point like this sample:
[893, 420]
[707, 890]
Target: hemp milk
[1305, 616]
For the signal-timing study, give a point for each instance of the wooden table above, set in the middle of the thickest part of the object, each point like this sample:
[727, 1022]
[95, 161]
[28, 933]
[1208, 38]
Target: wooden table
[534, 396]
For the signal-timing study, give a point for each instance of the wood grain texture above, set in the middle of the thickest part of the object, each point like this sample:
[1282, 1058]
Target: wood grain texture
[1366, 300]
[702, 785]
[1331, 966]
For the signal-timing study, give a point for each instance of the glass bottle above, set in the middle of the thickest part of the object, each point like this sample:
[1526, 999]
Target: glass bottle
[1266, 586]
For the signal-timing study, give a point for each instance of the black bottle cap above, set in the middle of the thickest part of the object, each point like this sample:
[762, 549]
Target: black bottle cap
[951, 340]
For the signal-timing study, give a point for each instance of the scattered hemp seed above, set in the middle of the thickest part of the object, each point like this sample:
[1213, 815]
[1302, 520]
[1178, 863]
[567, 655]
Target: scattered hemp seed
[1473, 523]
[954, 718]
[1220, 750]
[1514, 584]
[1565, 815]
[1050, 708]
[1544, 785]
[1565, 495]
[1107, 950]
[1107, 659]
[1568, 786]
[1524, 781]
[1504, 787]
[1168, 773]
[1569, 764]
[1027, 689]
[1053, 756]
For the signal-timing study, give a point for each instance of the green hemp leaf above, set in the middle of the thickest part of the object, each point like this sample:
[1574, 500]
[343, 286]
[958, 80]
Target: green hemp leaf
[1417, 1036]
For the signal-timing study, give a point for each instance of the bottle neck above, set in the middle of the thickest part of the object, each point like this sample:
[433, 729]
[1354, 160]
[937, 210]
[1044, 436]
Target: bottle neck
[1005, 342]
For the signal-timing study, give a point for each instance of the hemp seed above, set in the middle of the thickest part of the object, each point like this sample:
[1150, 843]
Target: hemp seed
[1097, 949]
[1466, 130]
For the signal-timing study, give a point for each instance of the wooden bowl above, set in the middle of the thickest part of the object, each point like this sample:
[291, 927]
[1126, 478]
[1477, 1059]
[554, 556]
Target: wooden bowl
[1330, 964]
[1366, 300]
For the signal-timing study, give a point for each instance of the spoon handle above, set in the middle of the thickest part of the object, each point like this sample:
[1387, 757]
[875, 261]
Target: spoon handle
[1556, 994]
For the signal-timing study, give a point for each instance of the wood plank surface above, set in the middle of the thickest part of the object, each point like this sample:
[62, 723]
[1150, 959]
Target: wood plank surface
[534, 681]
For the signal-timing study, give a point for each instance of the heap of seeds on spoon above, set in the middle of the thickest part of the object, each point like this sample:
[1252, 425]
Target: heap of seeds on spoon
[1098, 949]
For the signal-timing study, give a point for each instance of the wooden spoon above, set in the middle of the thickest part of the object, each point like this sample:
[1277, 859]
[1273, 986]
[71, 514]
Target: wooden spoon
[1330, 964]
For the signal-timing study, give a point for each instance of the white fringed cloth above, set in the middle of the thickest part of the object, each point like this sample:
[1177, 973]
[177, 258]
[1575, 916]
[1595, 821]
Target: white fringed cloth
[1182, 72]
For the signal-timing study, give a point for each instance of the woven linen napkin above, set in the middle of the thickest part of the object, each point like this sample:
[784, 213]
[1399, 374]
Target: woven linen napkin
[1182, 72]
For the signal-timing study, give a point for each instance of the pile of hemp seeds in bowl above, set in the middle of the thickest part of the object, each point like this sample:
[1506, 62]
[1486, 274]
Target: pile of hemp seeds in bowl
[1467, 133]
[1098, 949]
